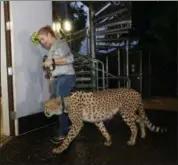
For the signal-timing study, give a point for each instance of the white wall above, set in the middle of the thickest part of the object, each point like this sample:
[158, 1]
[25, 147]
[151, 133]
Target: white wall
[5, 109]
[30, 87]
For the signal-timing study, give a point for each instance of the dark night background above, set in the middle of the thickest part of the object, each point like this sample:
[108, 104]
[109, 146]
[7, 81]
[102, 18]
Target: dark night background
[156, 25]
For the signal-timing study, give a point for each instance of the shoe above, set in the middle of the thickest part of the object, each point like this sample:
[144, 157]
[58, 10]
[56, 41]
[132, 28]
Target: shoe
[58, 140]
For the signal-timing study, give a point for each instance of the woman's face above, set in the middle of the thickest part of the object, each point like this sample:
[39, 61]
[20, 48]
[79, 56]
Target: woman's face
[45, 40]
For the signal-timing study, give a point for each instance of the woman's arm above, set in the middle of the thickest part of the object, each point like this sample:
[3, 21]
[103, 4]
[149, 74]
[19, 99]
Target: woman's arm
[60, 60]
[64, 60]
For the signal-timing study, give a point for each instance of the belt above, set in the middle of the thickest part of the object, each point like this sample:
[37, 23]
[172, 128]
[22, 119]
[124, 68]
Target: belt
[62, 75]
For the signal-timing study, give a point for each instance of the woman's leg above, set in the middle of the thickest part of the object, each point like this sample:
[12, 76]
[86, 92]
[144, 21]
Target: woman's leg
[64, 124]
[52, 87]
[64, 87]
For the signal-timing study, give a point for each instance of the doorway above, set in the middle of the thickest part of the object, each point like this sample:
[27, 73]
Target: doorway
[7, 104]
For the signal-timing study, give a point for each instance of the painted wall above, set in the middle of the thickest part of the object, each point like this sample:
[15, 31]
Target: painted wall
[4, 100]
[30, 87]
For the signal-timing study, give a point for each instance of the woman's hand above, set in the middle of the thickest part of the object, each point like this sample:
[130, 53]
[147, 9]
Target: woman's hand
[47, 63]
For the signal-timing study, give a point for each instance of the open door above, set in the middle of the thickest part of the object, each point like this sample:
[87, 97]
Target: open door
[29, 86]
[6, 127]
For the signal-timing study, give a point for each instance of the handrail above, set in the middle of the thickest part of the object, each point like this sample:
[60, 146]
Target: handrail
[103, 72]
[96, 61]
[78, 34]
[118, 77]
[96, 65]
[113, 76]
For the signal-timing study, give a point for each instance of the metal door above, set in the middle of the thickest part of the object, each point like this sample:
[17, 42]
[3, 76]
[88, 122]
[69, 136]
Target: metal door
[135, 70]
[29, 86]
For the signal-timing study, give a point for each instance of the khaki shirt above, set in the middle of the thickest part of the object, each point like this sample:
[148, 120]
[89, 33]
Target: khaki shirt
[61, 49]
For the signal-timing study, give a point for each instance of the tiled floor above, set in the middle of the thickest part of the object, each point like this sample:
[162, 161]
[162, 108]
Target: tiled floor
[88, 149]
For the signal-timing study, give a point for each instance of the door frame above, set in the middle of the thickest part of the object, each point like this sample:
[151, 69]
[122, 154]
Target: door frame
[9, 66]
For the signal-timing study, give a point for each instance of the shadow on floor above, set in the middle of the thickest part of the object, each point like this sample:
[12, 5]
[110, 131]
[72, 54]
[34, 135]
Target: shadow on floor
[88, 149]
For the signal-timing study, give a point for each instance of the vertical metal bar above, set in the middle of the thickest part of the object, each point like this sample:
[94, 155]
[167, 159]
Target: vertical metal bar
[9, 65]
[97, 80]
[127, 61]
[119, 67]
[66, 9]
[92, 45]
[149, 65]
[107, 80]
[141, 74]
[103, 75]
[177, 50]
[62, 9]
[88, 41]
[177, 68]
[92, 32]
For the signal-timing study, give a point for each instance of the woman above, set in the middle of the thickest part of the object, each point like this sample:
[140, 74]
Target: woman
[63, 74]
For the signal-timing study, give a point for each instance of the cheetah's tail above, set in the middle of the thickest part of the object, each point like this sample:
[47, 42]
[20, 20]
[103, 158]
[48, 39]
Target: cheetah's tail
[148, 123]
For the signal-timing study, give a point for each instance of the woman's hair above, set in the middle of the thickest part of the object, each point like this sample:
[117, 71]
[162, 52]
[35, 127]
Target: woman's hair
[47, 29]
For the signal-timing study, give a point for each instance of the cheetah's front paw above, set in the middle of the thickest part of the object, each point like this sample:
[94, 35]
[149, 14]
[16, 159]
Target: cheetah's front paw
[56, 151]
[130, 143]
[143, 135]
[108, 143]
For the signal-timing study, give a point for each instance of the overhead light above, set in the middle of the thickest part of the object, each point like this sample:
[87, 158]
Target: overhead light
[56, 26]
[67, 25]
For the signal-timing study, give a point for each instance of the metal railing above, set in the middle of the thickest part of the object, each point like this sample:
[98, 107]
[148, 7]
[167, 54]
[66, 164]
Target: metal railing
[78, 34]
[128, 81]
[102, 70]
[96, 63]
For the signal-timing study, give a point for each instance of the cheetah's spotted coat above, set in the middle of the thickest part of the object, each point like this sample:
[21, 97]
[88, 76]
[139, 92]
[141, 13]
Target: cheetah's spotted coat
[96, 107]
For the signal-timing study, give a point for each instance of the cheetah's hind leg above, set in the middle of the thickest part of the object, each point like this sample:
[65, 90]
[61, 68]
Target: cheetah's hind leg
[102, 128]
[142, 127]
[131, 122]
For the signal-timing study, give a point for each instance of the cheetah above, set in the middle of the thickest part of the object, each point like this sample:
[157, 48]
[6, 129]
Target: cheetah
[97, 107]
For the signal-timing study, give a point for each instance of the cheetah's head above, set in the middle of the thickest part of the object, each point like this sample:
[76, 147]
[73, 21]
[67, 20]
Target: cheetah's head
[52, 107]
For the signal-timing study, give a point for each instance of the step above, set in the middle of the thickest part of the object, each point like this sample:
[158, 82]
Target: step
[83, 65]
[83, 79]
[83, 72]
[83, 86]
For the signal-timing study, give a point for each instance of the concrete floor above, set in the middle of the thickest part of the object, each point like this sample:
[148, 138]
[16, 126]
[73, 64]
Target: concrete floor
[88, 149]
